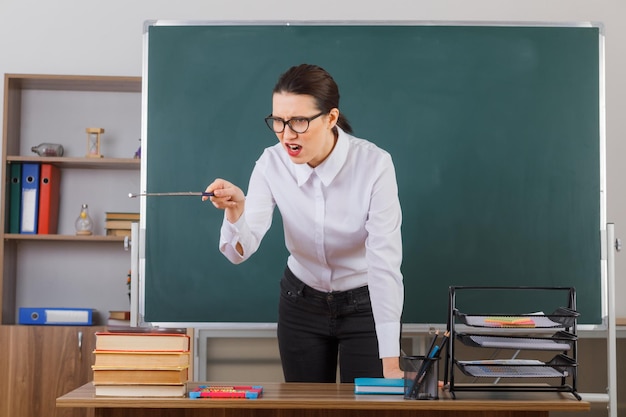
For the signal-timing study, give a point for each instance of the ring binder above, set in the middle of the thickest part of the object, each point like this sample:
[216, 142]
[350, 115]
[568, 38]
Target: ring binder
[56, 316]
[30, 198]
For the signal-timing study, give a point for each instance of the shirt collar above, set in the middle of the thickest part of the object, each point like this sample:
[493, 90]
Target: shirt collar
[331, 166]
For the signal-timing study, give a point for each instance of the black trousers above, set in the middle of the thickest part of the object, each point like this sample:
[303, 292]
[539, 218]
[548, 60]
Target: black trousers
[317, 330]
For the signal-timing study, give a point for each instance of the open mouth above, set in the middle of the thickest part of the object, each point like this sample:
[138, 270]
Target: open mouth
[293, 149]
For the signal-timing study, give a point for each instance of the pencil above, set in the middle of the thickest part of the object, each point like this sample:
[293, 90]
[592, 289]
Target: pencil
[432, 344]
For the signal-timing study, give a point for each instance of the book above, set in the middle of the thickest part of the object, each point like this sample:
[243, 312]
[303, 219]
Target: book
[118, 232]
[113, 324]
[119, 318]
[118, 215]
[378, 386]
[118, 224]
[140, 390]
[149, 359]
[130, 341]
[226, 391]
[119, 314]
[110, 375]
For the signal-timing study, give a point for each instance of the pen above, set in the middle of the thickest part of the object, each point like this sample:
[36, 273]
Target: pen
[174, 194]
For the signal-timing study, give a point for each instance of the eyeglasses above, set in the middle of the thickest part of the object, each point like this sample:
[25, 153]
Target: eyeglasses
[297, 124]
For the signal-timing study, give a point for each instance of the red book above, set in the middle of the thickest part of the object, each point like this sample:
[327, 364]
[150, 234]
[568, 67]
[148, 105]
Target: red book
[49, 187]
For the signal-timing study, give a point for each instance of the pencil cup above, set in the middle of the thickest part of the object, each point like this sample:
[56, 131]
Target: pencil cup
[421, 378]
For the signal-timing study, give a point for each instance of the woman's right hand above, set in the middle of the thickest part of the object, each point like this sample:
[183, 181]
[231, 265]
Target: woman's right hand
[228, 197]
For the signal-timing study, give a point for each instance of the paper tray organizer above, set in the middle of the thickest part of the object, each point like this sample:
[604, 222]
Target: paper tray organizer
[533, 332]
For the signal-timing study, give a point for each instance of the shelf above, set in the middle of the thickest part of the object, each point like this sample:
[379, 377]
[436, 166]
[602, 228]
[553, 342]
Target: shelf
[561, 317]
[63, 269]
[560, 341]
[52, 108]
[560, 366]
[81, 163]
[94, 83]
[63, 238]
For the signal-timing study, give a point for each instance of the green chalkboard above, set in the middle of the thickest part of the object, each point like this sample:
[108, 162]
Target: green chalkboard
[494, 131]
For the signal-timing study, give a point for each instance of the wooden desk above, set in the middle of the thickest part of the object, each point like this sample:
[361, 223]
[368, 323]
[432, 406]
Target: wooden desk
[326, 400]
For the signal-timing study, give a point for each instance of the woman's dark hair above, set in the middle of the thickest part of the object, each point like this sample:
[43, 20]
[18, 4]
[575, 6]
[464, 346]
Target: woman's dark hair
[314, 81]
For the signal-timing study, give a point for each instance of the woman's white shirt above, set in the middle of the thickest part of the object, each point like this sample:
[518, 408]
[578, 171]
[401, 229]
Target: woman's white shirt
[342, 224]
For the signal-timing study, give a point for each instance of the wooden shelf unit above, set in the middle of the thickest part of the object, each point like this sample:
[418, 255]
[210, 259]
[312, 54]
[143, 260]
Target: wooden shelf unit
[60, 354]
[16, 86]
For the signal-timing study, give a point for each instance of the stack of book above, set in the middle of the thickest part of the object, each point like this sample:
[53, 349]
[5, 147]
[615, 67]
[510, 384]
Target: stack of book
[141, 364]
[118, 223]
[118, 318]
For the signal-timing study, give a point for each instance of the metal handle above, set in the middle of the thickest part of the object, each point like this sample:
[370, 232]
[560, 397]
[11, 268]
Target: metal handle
[80, 345]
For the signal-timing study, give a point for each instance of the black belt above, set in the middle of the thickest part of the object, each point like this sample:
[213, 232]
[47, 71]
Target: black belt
[325, 295]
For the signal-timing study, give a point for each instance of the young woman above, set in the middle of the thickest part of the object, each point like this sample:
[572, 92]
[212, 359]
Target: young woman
[342, 291]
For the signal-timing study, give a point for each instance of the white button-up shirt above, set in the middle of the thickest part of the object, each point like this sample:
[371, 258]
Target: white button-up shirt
[342, 224]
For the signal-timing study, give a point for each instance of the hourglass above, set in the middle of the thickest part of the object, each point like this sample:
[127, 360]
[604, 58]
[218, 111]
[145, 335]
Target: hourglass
[93, 142]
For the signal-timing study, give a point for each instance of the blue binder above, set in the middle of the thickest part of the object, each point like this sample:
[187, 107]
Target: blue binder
[56, 316]
[30, 198]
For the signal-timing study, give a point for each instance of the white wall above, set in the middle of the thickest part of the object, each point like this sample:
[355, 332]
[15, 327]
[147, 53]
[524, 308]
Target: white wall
[105, 38]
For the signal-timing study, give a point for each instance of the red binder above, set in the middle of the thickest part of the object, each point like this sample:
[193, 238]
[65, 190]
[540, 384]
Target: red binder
[49, 188]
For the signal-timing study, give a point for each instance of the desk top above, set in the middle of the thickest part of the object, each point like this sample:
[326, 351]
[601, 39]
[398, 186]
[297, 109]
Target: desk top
[335, 396]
